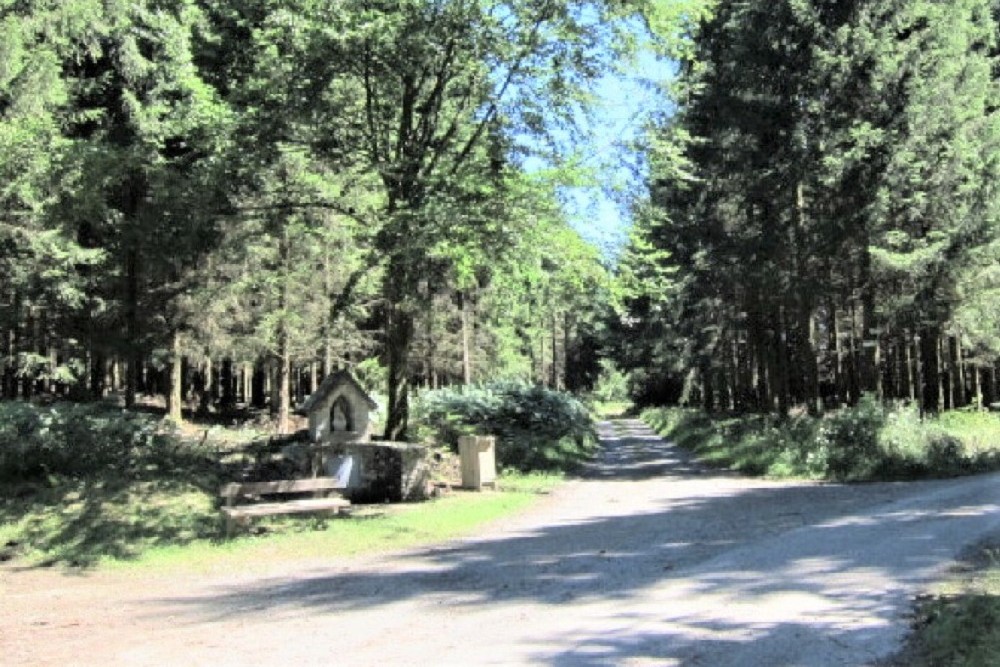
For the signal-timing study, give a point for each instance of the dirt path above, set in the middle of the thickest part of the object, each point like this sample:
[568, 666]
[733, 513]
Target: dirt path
[649, 559]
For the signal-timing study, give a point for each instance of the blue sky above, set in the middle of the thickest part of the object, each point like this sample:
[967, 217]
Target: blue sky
[625, 102]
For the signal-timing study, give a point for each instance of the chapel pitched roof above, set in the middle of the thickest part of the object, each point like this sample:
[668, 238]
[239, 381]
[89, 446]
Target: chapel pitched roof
[332, 382]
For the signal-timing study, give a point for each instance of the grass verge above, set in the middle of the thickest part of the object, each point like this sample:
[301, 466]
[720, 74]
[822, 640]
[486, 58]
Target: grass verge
[959, 625]
[866, 443]
[176, 525]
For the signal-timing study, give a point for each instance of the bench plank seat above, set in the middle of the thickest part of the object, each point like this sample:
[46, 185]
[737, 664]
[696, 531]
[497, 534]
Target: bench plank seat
[235, 492]
[234, 489]
[287, 507]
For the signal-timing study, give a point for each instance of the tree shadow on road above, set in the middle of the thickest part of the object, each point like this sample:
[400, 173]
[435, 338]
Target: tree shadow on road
[740, 551]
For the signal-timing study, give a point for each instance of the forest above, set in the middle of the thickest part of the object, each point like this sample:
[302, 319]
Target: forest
[211, 204]
[217, 203]
[822, 217]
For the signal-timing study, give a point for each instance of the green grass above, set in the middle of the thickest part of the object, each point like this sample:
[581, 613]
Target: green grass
[610, 409]
[177, 525]
[865, 443]
[88, 486]
[979, 432]
[79, 522]
[959, 626]
[373, 531]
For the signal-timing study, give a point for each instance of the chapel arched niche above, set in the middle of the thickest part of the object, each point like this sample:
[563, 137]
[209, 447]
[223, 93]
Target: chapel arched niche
[341, 416]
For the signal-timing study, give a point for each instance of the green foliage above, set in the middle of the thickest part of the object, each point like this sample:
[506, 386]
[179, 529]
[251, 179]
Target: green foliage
[265, 185]
[611, 385]
[536, 428]
[962, 631]
[830, 169]
[170, 518]
[849, 440]
[526, 301]
[960, 626]
[80, 522]
[78, 440]
[864, 443]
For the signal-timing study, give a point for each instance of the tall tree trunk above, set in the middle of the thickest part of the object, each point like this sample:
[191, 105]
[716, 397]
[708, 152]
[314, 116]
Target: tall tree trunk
[956, 371]
[327, 331]
[554, 373]
[542, 374]
[464, 306]
[783, 362]
[115, 375]
[762, 360]
[284, 384]
[399, 333]
[205, 399]
[990, 395]
[260, 386]
[24, 345]
[149, 379]
[977, 387]
[247, 384]
[429, 353]
[8, 356]
[273, 386]
[878, 366]
[944, 382]
[894, 362]
[855, 379]
[10, 364]
[930, 390]
[707, 387]
[838, 355]
[399, 336]
[133, 354]
[578, 381]
[738, 375]
[912, 370]
[869, 338]
[51, 351]
[284, 360]
[806, 357]
[227, 383]
[98, 369]
[176, 393]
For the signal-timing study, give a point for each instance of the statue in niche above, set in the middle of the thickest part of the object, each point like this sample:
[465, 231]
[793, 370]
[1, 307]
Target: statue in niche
[340, 416]
[339, 410]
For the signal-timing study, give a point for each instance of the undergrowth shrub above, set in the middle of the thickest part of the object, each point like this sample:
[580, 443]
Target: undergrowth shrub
[850, 441]
[869, 441]
[74, 440]
[536, 428]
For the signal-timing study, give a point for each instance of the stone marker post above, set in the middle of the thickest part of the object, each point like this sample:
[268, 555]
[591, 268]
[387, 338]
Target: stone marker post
[478, 457]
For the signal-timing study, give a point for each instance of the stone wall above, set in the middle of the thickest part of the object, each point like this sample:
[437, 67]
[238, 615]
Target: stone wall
[387, 472]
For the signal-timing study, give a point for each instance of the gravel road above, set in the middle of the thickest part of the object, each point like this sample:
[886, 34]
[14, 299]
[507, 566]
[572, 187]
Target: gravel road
[649, 559]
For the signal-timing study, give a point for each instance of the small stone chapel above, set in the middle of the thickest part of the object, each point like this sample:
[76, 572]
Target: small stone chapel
[339, 411]
[340, 433]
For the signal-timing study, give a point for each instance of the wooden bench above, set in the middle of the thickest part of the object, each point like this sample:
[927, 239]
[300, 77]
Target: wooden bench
[236, 492]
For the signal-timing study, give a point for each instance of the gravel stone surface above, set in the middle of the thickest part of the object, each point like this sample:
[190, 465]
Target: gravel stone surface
[648, 559]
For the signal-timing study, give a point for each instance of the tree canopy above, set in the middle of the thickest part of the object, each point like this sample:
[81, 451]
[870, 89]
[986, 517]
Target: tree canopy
[821, 203]
[219, 202]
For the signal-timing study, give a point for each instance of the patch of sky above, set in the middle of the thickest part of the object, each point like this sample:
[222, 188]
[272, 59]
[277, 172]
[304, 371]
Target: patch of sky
[605, 146]
[626, 102]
